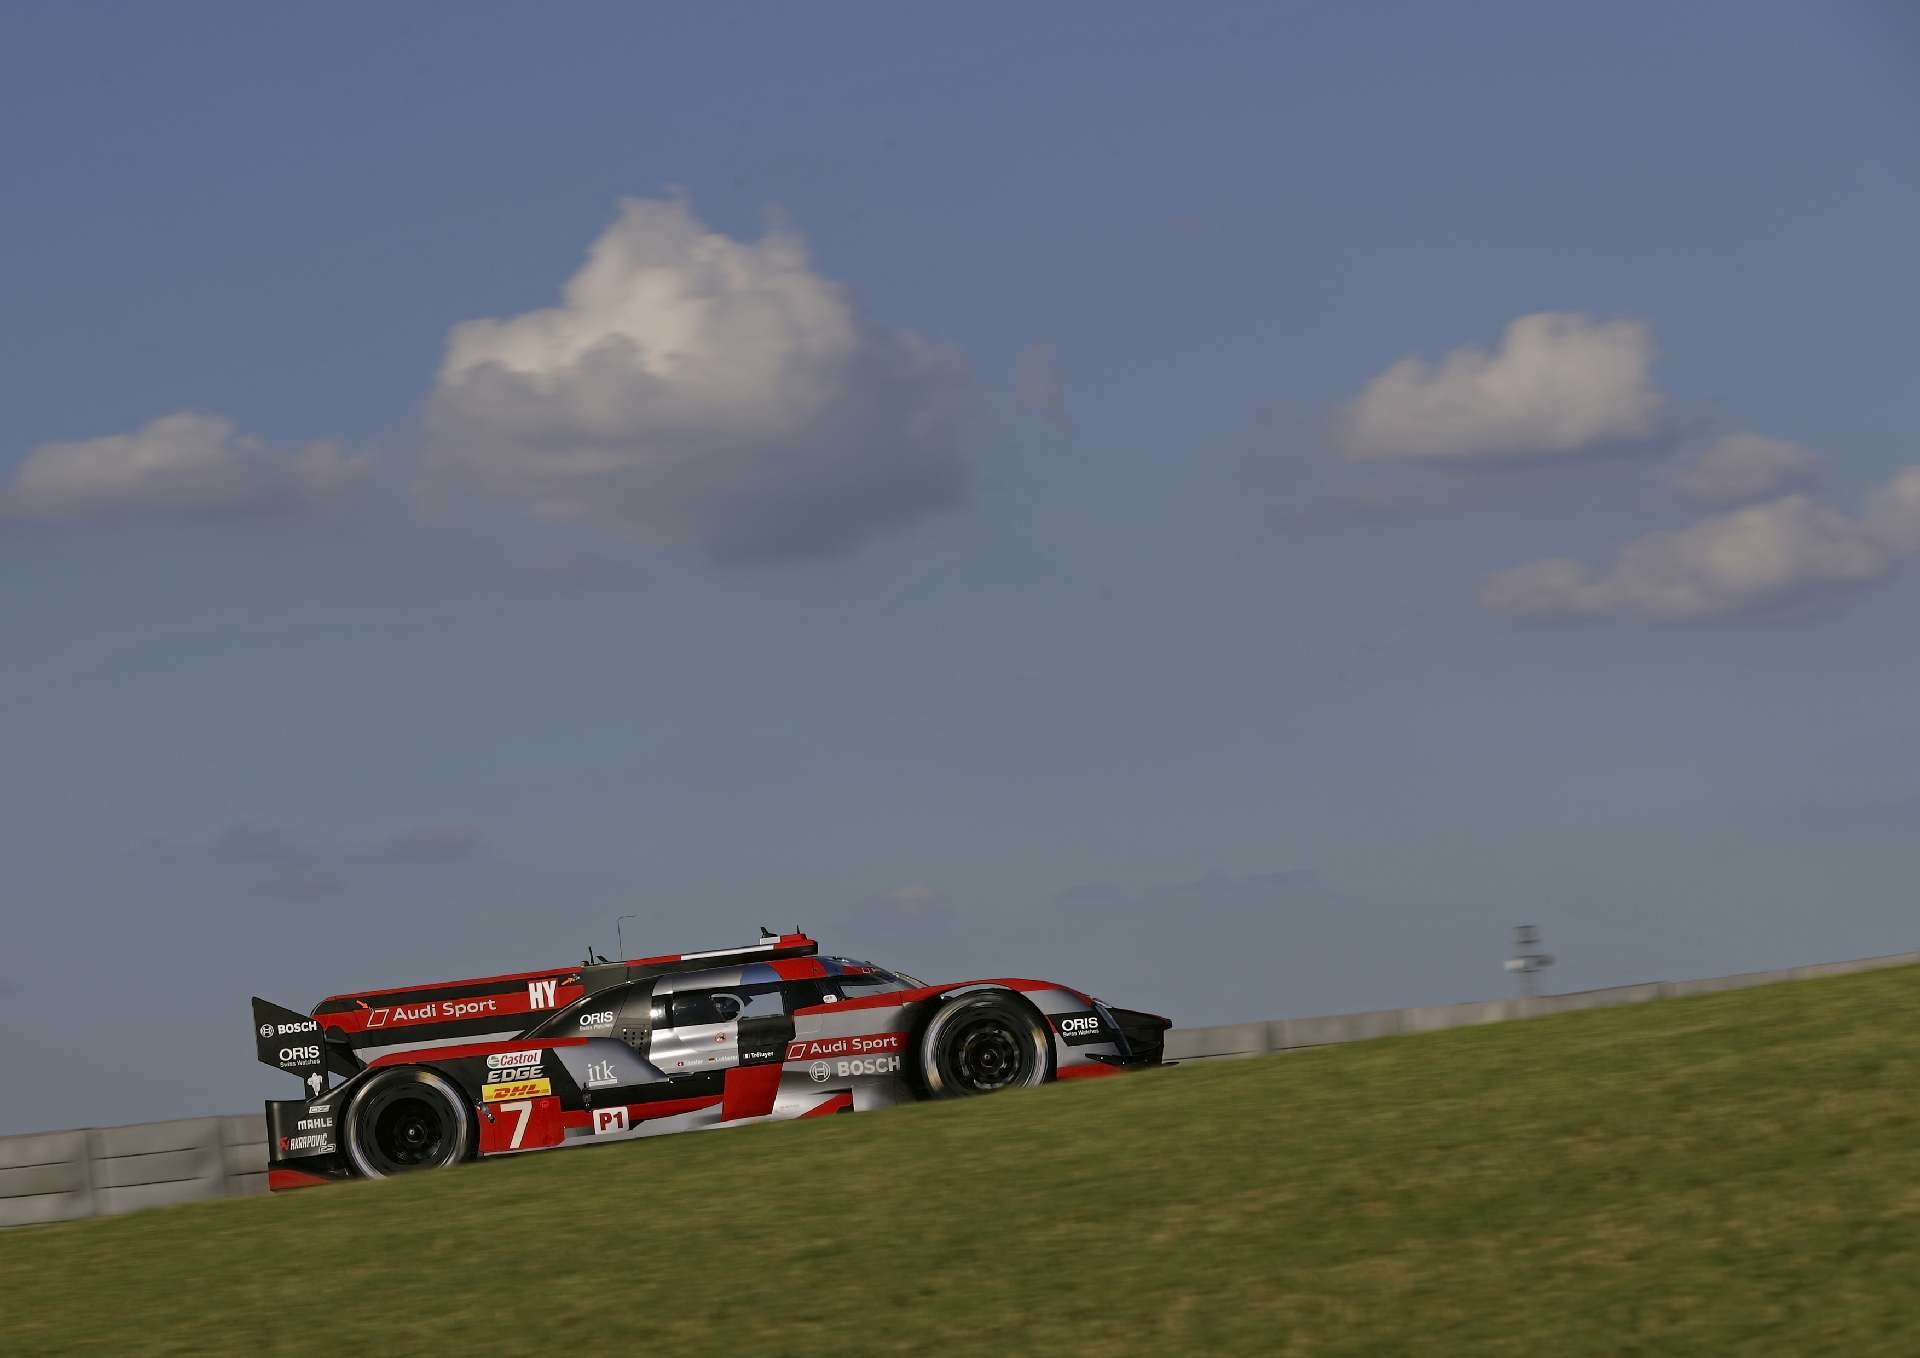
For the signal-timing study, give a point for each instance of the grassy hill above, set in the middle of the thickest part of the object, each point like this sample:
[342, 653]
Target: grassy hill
[1738, 1172]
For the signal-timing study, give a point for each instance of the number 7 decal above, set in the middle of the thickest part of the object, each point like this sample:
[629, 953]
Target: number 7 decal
[522, 1110]
[521, 1125]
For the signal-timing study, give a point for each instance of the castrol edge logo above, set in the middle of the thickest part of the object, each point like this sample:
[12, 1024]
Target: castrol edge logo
[825, 1048]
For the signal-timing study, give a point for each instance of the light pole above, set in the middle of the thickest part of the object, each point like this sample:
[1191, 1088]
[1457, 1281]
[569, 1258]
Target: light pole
[1527, 959]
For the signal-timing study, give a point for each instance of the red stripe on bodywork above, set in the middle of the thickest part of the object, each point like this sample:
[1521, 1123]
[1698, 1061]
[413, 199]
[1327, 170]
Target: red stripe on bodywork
[506, 1004]
[666, 1108]
[645, 1112]
[512, 978]
[1088, 1071]
[473, 1049]
[839, 1103]
[798, 968]
[278, 1179]
[748, 1092]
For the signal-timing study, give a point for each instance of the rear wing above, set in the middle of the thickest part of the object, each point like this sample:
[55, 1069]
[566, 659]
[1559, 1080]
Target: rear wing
[298, 1045]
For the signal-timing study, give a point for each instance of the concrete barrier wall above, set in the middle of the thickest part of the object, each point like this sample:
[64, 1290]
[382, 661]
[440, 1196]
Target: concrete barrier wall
[59, 1176]
[98, 1171]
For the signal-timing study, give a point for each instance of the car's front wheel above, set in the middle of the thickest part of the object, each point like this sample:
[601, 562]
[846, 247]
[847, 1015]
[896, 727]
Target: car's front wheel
[404, 1120]
[983, 1043]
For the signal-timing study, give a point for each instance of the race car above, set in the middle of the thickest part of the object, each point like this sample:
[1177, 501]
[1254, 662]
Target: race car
[607, 1051]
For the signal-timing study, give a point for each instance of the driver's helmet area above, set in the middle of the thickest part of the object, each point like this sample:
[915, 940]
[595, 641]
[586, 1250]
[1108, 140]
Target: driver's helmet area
[691, 1008]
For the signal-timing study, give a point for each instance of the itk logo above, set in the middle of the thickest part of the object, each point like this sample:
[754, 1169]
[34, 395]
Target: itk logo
[600, 1073]
[540, 994]
[607, 1120]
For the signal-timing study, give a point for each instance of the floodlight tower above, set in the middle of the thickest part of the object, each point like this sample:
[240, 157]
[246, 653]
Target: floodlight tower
[1527, 959]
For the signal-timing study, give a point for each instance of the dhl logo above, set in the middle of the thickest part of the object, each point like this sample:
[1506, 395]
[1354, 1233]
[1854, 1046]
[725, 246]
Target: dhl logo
[519, 1089]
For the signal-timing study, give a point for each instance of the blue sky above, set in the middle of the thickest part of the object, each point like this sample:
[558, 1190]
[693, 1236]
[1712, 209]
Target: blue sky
[1233, 509]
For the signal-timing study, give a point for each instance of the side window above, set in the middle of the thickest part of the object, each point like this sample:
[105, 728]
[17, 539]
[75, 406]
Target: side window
[762, 1002]
[817, 990]
[692, 1007]
[686, 1008]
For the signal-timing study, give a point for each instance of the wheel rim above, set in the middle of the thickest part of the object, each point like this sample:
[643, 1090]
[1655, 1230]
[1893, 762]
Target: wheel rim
[988, 1054]
[406, 1130]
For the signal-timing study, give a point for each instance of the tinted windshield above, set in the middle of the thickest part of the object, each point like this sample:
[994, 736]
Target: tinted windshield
[876, 978]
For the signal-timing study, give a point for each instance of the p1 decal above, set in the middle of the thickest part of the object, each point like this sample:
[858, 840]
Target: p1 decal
[609, 1120]
[518, 1089]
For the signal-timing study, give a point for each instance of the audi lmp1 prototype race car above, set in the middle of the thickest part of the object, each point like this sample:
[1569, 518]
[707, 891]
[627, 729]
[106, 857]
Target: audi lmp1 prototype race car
[607, 1051]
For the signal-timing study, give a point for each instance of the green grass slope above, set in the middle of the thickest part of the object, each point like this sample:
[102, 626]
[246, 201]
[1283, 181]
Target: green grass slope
[1733, 1173]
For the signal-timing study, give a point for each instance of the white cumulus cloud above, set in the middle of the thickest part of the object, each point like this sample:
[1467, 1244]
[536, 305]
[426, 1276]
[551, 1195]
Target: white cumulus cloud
[1740, 562]
[179, 465]
[1740, 467]
[1559, 384]
[693, 389]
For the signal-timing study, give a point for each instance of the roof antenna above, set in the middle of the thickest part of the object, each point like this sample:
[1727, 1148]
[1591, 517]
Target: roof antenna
[622, 937]
[765, 932]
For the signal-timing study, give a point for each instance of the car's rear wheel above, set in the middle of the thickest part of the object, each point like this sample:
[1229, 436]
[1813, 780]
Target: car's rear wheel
[984, 1043]
[405, 1120]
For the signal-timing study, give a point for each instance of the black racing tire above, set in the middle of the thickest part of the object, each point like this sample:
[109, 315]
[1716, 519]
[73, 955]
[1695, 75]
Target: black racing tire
[983, 1043]
[404, 1120]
